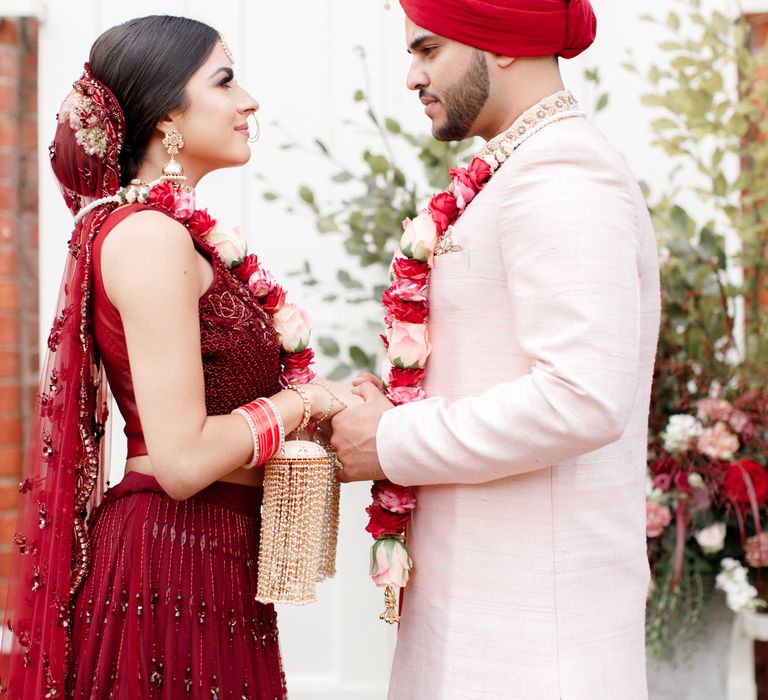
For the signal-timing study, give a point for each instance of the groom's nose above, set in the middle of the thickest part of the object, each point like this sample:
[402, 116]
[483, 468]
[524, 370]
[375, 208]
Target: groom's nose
[416, 79]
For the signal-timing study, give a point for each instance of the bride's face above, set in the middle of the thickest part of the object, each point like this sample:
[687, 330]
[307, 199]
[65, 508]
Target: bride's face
[214, 124]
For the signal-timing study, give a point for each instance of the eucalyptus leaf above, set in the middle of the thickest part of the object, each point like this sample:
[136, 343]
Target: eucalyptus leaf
[328, 346]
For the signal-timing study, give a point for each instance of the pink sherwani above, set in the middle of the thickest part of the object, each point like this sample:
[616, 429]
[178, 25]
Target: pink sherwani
[528, 540]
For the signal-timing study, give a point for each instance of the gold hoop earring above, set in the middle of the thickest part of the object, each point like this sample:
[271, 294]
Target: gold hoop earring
[254, 139]
[172, 170]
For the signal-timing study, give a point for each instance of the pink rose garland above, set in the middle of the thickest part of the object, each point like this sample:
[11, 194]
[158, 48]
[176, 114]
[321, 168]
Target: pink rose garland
[291, 323]
[406, 314]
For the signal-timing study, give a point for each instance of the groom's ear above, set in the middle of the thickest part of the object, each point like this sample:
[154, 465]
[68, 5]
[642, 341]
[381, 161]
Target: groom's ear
[502, 61]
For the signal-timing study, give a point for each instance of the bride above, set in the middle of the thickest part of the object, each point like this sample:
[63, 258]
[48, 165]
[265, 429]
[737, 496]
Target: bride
[154, 595]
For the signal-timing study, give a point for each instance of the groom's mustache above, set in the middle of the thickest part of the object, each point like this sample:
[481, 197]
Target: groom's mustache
[425, 94]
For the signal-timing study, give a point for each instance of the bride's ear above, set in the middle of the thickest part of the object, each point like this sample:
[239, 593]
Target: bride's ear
[166, 125]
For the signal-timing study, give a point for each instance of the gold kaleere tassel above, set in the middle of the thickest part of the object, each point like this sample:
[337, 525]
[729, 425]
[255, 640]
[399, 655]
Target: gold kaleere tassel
[299, 523]
[330, 535]
[390, 604]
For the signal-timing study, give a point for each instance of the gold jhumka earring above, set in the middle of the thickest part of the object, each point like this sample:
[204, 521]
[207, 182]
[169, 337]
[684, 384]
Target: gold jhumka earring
[172, 170]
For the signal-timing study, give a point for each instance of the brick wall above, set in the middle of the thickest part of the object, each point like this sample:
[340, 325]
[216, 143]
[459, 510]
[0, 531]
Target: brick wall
[18, 261]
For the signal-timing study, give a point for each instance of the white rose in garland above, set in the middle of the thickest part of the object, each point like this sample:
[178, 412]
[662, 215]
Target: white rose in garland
[293, 325]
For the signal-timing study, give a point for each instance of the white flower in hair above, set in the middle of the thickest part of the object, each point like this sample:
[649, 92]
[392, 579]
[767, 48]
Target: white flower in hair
[81, 113]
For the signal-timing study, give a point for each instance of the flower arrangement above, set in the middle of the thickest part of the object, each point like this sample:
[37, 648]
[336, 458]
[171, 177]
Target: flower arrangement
[706, 504]
[706, 498]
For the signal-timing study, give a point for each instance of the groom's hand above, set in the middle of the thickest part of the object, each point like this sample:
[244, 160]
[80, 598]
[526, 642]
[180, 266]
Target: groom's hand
[354, 435]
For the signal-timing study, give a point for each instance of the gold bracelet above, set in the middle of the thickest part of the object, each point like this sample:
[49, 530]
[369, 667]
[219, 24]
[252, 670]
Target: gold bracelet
[307, 406]
[334, 399]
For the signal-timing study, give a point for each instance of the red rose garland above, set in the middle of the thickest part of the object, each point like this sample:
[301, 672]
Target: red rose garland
[291, 323]
[406, 314]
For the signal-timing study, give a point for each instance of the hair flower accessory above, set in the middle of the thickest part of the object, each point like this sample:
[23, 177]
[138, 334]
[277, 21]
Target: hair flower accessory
[82, 113]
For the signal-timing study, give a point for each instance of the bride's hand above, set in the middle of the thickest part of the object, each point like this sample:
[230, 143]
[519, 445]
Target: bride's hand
[329, 398]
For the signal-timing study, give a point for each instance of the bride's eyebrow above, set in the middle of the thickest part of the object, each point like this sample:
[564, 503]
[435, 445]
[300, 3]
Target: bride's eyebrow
[224, 69]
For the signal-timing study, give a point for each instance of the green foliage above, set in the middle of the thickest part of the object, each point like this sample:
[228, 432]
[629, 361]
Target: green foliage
[373, 198]
[713, 330]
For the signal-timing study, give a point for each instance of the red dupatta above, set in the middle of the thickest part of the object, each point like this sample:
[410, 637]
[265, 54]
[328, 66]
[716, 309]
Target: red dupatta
[63, 475]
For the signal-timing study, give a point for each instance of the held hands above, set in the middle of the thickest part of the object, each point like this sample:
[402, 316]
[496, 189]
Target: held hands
[329, 398]
[354, 431]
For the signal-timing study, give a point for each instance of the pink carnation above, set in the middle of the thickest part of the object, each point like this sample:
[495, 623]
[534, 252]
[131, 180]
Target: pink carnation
[408, 290]
[715, 409]
[398, 499]
[740, 422]
[657, 517]
[275, 300]
[303, 375]
[406, 394]
[718, 442]
[261, 282]
[757, 550]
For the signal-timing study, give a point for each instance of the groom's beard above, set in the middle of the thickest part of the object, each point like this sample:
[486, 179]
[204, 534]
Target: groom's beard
[464, 100]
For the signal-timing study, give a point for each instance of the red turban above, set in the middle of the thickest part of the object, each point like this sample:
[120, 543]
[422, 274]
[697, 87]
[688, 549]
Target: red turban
[510, 27]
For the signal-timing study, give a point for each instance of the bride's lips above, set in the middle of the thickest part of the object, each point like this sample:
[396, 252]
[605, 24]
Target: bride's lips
[242, 129]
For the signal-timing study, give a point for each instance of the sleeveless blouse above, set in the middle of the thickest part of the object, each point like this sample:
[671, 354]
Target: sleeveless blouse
[238, 343]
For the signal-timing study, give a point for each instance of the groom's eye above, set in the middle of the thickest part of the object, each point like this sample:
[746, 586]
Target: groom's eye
[427, 50]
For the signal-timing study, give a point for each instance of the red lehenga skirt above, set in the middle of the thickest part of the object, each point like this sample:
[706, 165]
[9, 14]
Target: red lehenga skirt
[167, 609]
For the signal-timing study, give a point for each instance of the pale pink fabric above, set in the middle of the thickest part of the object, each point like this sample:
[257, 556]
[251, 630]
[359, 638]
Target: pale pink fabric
[529, 537]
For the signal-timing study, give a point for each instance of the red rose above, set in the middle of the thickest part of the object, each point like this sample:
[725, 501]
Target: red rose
[385, 522]
[406, 311]
[404, 268]
[162, 195]
[275, 300]
[298, 360]
[444, 211]
[667, 465]
[735, 485]
[405, 377]
[394, 498]
[248, 267]
[681, 483]
[479, 171]
[200, 222]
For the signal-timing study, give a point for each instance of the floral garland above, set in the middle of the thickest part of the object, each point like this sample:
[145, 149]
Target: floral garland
[291, 322]
[406, 313]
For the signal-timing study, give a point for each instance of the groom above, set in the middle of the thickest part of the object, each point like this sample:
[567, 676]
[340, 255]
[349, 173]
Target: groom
[528, 540]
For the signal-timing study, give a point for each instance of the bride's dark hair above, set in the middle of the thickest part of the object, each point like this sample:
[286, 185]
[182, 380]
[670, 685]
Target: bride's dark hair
[146, 63]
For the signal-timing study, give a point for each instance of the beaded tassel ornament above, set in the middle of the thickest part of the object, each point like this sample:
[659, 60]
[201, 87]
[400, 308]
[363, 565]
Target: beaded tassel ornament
[299, 523]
